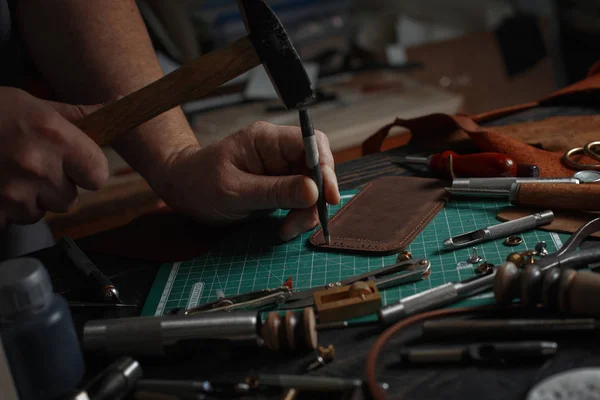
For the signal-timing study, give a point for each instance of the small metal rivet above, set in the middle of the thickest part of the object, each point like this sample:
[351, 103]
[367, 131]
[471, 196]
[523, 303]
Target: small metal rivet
[513, 240]
[484, 268]
[403, 256]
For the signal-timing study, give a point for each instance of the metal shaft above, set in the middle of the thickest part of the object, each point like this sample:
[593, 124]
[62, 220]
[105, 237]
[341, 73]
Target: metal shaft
[434, 298]
[153, 335]
[312, 162]
[310, 383]
[503, 183]
[506, 328]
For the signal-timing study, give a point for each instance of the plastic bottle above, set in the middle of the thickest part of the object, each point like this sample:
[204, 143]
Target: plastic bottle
[37, 332]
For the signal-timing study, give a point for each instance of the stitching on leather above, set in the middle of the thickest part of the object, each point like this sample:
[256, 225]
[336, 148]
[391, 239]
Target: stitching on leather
[408, 238]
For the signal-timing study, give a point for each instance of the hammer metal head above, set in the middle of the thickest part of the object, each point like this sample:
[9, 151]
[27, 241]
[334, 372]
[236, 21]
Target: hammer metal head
[276, 52]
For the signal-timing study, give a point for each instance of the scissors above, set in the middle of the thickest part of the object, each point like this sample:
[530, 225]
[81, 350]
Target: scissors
[588, 150]
[389, 276]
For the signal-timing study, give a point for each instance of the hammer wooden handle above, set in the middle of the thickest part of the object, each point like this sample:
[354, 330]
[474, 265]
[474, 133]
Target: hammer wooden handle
[187, 83]
[559, 196]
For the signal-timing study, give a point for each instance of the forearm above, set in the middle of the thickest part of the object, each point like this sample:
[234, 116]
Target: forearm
[93, 52]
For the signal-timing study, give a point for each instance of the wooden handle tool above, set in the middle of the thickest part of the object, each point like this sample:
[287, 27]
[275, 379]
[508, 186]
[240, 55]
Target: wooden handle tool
[187, 83]
[557, 196]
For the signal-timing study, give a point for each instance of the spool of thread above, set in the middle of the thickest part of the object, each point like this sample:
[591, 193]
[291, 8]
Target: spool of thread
[37, 332]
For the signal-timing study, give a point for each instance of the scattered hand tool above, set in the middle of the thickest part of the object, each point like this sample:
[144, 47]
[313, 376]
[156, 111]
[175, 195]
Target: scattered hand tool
[555, 196]
[389, 276]
[95, 278]
[507, 328]
[436, 297]
[499, 230]
[559, 289]
[482, 353]
[266, 43]
[183, 334]
[504, 183]
[450, 164]
[252, 300]
[115, 382]
[311, 151]
[504, 281]
[252, 384]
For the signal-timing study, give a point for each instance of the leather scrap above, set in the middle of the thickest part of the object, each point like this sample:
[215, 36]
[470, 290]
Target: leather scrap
[564, 222]
[441, 128]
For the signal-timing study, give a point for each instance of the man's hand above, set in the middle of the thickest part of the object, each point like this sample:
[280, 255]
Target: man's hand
[259, 168]
[43, 157]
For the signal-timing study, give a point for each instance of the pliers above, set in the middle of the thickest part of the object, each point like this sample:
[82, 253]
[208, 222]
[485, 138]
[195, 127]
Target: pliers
[389, 276]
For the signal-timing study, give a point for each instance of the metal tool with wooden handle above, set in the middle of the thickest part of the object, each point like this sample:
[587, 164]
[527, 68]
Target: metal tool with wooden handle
[554, 196]
[266, 43]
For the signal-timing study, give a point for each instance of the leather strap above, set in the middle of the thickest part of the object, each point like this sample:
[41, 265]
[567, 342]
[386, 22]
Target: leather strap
[439, 126]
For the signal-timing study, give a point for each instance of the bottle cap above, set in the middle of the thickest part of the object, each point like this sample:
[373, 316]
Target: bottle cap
[25, 288]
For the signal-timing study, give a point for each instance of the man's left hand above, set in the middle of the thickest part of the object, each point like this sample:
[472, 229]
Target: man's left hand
[257, 169]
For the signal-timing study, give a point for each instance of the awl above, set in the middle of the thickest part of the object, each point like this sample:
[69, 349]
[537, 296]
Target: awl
[555, 196]
[473, 165]
[500, 230]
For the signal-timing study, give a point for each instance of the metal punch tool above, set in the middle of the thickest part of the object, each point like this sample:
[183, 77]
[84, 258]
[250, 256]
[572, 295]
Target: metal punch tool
[253, 300]
[500, 230]
[390, 276]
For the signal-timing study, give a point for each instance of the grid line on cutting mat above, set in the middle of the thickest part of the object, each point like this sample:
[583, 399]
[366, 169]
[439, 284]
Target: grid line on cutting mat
[245, 262]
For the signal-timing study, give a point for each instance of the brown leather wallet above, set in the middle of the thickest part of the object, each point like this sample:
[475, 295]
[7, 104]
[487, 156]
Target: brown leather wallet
[385, 216]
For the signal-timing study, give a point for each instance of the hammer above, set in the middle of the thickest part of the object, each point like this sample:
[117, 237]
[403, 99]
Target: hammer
[266, 43]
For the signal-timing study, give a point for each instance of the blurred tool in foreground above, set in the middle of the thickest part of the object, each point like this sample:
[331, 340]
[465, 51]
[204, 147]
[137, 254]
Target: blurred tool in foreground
[114, 382]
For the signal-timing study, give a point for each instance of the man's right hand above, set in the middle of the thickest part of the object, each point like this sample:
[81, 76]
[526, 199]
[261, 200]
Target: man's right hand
[43, 157]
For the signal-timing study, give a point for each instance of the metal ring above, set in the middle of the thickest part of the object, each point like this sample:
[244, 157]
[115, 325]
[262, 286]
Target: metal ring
[566, 159]
[588, 150]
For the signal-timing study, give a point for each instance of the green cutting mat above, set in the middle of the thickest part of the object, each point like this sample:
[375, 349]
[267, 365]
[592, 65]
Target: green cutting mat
[246, 261]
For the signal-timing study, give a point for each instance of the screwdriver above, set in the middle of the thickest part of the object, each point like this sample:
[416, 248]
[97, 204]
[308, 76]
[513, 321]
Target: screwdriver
[481, 165]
